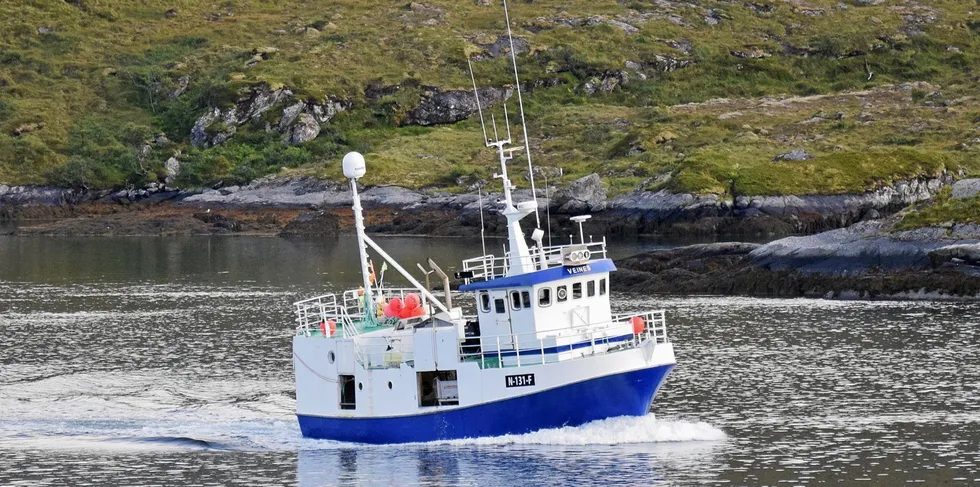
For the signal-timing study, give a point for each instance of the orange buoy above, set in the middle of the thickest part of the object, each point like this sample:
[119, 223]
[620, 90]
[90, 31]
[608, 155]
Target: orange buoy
[420, 311]
[405, 313]
[412, 301]
[332, 325]
[638, 325]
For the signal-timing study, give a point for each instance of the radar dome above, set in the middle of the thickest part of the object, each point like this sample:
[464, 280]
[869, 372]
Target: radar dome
[354, 165]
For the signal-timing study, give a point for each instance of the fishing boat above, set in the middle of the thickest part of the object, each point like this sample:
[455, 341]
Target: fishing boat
[535, 344]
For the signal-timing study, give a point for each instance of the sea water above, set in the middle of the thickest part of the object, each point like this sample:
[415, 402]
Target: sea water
[167, 361]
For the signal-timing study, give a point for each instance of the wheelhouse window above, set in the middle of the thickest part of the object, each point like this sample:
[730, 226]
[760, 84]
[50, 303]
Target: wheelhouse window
[526, 299]
[602, 286]
[500, 306]
[577, 290]
[544, 297]
[485, 302]
[590, 288]
[515, 300]
[562, 294]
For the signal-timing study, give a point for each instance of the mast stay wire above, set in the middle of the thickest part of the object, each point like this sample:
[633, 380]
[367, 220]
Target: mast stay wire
[520, 102]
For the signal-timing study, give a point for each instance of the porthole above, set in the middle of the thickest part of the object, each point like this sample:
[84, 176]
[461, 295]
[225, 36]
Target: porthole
[331, 357]
[562, 293]
[389, 384]
[360, 386]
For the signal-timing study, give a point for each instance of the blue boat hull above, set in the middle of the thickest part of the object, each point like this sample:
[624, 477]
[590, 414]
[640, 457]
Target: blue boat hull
[626, 394]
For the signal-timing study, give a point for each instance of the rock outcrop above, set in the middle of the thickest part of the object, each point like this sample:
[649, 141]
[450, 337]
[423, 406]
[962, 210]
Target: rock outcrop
[305, 129]
[860, 248]
[966, 188]
[582, 196]
[253, 102]
[438, 107]
[298, 123]
[172, 166]
[804, 214]
[319, 223]
[866, 262]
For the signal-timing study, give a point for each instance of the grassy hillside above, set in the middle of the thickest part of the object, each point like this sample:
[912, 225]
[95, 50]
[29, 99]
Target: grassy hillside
[85, 84]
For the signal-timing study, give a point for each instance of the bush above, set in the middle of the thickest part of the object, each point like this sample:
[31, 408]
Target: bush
[250, 155]
[104, 155]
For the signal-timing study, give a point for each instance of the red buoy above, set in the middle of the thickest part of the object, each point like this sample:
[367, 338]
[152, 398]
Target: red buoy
[638, 325]
[328, 328]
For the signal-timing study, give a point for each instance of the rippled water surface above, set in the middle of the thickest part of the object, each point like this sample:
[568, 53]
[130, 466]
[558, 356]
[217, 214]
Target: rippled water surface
[167, 361]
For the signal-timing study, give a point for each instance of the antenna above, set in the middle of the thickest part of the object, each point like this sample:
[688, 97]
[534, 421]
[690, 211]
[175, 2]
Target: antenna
[520, 102]
[507, 121]
[483, 237]
[547, 196]
[476, 94]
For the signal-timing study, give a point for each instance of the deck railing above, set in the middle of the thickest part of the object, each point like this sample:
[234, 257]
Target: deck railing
[310, 313]
[354, 301]
[371, 351]
[593, 338]
[495, 351]
[489, 266]
[348, 313]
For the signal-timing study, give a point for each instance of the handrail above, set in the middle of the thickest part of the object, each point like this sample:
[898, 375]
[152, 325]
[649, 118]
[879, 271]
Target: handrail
[600, 337]
[488, 267]
[373, 351]
[347, 313]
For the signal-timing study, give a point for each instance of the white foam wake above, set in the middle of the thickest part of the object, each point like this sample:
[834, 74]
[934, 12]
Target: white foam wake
[613, 431]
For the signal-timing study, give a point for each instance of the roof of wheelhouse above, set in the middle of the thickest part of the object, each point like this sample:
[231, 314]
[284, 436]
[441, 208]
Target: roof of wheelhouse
[542, 276]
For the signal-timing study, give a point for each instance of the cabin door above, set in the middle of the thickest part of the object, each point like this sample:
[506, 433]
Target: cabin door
[505, 327]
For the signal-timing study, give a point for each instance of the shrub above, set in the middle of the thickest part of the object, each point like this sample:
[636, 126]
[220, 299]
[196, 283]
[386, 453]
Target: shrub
[104, 155]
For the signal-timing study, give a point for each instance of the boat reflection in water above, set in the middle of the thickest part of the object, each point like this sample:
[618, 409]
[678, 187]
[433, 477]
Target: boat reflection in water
[511, 464]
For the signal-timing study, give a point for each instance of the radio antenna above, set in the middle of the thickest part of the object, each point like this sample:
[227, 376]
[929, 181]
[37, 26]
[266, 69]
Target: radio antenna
[520, 103]
[476, 94]
[483, 235]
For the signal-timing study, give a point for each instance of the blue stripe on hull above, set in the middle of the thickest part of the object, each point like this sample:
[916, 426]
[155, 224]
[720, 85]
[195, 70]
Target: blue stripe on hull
[626, 394]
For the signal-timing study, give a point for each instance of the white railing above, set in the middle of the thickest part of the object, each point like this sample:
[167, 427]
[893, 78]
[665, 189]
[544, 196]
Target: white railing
[655, 324]
[371, 351]
[347, 314]
[381, 352]
[310, 313]
[489, 266]
[565, 344]
[354, 301]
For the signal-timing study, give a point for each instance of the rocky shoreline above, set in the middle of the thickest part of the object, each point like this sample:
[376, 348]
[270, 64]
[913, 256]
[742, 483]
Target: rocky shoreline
[869, 260]
[433, 212]
[862, 256]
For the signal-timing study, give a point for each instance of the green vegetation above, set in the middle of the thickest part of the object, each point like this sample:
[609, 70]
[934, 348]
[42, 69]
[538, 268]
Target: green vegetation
[86, 84]
[942, 211]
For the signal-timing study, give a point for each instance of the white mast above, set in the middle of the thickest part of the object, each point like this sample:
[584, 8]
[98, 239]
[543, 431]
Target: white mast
[354, 168]
[520, 104]
[519, 260]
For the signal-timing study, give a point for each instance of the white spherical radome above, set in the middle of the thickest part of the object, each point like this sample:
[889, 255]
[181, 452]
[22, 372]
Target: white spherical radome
[354, 166]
